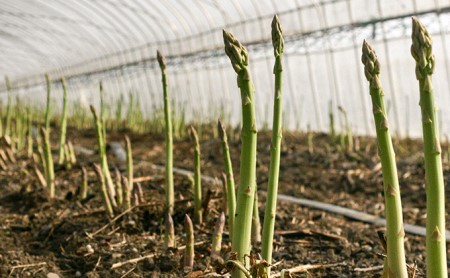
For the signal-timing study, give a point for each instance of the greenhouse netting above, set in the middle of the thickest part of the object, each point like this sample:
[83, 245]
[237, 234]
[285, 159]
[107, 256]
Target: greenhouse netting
[87, 41]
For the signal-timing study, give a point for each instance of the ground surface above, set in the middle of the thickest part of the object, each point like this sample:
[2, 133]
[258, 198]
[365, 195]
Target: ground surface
[39, 236]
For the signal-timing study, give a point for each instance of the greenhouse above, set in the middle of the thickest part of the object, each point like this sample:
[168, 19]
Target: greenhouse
[206, 138]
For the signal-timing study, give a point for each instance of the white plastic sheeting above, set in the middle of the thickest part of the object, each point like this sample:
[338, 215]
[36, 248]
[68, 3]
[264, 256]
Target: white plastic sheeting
[115, 41]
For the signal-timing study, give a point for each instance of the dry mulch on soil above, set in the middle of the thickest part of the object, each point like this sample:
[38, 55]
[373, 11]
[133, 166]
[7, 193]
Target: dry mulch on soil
[63, 235]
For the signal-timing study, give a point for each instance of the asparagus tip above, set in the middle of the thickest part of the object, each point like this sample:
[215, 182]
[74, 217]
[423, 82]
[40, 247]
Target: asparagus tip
[161, 60]
[235, 51]
[277, 36]
[220, 128]
[370, 60]
[421, 49]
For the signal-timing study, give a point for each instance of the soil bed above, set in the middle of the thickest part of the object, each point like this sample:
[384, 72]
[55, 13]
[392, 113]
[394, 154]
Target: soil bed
[62, 236]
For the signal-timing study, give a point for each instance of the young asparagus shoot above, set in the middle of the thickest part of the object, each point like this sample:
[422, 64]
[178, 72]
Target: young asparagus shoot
[348, 137]
[169, 232]
[8, 107]
[84, 184]
[436, 252]
[223, 177]
[189, 251]
[62, 141]
[103, 159]
[272, 186]
[49, 170]
[394, 218]
[216, 245]
[73, 158]
[127, 191]
[47, 108]
[118, 185]
[29, 134]
[169, 140]
[198, 213]
[231, 194]
[129, 162]
[106, 199]
[244, 209]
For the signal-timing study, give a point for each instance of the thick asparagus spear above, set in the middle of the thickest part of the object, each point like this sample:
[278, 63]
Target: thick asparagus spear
[243, 219]
[396, 263]
[436, 253]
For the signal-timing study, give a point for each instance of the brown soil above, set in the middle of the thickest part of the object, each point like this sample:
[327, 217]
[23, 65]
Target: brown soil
[39, 235]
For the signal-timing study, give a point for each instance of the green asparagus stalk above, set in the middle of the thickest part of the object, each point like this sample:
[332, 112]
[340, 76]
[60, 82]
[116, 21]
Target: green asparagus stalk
[189, 251]
[8, 107]
[47, 108]
[223, 177]
[272, 186]
[127, 190]
[62, 140]
[348, 137]
[436, 252]
[102, 115]
[244, 209]
[198, 218]
[169, 232]
[216, 245]
[29, 134]
[50, 174]
[84, 184]
[394, 218]
[67, 162]
[169, 140]
[73, 158]
[103, 158]
[231, 194]
[129, 162]
[106, 199]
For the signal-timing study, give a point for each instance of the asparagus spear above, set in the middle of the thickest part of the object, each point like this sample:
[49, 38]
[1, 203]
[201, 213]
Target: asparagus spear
[197, 179]
[62, 140]
[436, 253]
[396, 263]
[272, 186]
[169, 139]
[189, 251]
[47, 109]
[231, 194]
[243, 219]
[50, 173]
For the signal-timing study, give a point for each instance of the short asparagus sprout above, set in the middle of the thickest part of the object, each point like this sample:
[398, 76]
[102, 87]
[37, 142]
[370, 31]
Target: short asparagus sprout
[127, 192]
[244, 209]
[169, 232]
[118, 185]
[189, 251]
[129, 161]
[394, 218]
[103, 159]
[198, 218]
[347, 137]
[50, 173]
[8, 107]
[62, 141]
[436, 252]
[169, 137]
[216, 245]
[274, 169]
[47, 108]
[231, 194]
[29, 134]
[106, 200]
[84, 184]
[73, 158]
